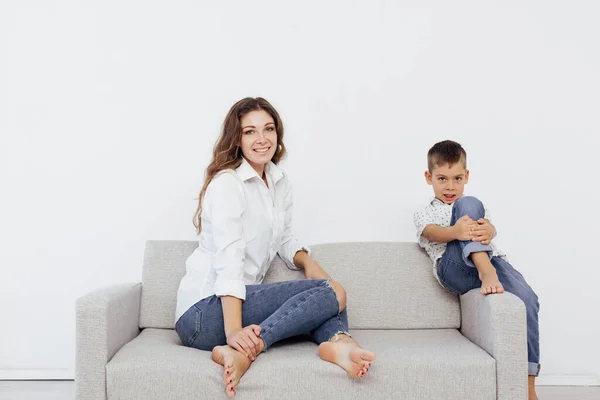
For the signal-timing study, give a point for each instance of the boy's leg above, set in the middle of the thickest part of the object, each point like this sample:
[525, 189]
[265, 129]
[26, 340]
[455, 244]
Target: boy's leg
[471, 206]
[454, 273]
[514, 283]
[474, 254]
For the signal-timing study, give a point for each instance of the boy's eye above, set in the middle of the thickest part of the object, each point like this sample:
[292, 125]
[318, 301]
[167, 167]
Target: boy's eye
[442, 179]
[459, 179]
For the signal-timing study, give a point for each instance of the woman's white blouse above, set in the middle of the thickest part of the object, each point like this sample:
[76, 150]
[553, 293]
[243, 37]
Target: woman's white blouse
[244, 225]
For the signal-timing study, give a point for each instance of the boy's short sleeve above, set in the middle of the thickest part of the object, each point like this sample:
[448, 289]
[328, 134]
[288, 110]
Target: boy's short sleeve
[421, 219]
[486, 214]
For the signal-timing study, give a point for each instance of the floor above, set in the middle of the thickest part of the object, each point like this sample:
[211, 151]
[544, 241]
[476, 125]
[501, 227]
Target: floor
[65, 390]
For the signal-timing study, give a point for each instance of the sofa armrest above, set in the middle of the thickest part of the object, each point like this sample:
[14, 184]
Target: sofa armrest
[107, 319]
[498, 324]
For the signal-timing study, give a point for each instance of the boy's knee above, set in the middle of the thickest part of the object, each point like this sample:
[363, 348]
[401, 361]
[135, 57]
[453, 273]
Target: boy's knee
[468, 201]
[471, 206]
[340, 294]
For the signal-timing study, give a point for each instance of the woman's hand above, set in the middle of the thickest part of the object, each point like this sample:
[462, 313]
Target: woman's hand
[246, 341]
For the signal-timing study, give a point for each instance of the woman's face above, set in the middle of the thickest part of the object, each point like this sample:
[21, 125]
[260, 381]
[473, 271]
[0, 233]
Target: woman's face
[259, 139]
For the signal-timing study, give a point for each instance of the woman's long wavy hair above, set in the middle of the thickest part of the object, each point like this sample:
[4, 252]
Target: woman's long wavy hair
[227, 153]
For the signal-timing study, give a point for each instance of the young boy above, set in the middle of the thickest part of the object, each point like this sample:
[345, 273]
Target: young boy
[457, 235]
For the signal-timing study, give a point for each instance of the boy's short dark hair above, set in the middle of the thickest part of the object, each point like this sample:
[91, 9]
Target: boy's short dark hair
[446, 152]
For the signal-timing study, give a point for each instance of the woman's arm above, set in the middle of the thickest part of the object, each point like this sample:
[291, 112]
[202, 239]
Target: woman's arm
[244, 340]
[312, 269]
[225, 205]
[290, 248]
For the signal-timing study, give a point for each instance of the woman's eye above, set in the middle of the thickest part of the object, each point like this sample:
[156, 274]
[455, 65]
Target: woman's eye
[248, 132]
[270, 129]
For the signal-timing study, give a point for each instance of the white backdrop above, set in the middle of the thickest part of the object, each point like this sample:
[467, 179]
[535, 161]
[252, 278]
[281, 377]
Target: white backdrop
[109, 111]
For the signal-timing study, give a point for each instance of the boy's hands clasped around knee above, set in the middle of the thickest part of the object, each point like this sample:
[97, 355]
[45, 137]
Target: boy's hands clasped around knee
[484, 232]
[477, 231]
[464, 228]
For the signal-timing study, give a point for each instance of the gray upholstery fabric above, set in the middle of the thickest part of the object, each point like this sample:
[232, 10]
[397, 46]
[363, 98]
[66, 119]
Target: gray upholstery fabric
[164, 266]
[374, 275]
[106, 320]
[498, 324]
[390, 287]
[412, 364]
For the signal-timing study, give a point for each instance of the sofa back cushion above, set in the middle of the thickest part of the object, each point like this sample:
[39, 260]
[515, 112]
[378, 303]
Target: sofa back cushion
[390, 285]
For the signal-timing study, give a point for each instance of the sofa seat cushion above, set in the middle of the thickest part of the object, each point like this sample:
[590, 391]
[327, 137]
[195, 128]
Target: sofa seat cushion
[411, 364]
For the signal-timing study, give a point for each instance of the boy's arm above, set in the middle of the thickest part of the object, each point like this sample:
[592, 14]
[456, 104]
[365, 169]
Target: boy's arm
[463, 229]
[439, 234]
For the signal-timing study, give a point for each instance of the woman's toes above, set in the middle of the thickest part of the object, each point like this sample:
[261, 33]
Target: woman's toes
[230, 391]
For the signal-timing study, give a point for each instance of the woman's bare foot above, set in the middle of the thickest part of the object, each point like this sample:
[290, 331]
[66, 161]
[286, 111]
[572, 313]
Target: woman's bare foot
[490, 283]
[346, 353]
[235, 365]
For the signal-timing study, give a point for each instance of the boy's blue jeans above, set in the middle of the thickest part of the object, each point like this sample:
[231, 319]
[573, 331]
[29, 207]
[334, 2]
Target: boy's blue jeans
[281, 309]
[458, 273]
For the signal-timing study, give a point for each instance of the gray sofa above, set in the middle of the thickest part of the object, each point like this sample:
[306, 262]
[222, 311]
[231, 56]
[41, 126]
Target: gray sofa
[429, 343]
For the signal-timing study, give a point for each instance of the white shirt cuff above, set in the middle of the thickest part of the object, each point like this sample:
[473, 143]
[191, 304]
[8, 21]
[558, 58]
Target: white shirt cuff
[235, 288]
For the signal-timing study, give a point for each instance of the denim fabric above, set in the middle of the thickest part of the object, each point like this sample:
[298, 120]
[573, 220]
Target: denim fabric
[282, 309]
[458, 273]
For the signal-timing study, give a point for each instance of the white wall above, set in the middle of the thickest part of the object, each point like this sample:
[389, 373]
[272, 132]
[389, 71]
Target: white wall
[109, 110]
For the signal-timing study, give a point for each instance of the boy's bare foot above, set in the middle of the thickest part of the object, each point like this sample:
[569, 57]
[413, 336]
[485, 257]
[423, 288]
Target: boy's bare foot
[487, 274]
[490, 283]
[346, 353]
[235, 365]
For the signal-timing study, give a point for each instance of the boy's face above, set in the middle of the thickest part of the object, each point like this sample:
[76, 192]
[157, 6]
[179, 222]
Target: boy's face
[448, 181]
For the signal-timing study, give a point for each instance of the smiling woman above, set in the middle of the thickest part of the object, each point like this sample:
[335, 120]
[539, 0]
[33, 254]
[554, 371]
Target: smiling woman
[228, 152]
[244, 219]
[259, 139]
